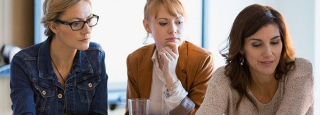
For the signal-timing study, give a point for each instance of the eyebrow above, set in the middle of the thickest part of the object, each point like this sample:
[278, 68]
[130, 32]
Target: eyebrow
[256, 39]
[162, 19]
[91, 15]
[168, 19]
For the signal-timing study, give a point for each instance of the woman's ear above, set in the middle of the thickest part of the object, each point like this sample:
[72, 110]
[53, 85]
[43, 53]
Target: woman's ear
[241, 52]
[146, 25]
[53, 27]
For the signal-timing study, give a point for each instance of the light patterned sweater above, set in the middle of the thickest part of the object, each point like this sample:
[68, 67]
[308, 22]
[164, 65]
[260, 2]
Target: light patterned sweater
[294, 95]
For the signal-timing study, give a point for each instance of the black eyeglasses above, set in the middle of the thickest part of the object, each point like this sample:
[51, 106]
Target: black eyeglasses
[78, 25]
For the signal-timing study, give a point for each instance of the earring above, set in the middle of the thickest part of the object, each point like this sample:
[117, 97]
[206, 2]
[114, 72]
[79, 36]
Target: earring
[241, 60]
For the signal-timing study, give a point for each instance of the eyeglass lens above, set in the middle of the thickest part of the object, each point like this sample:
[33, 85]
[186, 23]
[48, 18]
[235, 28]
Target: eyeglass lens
[80, 24]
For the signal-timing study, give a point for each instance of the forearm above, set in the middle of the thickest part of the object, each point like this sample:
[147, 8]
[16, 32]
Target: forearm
[176, 99]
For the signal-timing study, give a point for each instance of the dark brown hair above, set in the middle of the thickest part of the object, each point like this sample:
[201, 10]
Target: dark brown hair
[247, 23]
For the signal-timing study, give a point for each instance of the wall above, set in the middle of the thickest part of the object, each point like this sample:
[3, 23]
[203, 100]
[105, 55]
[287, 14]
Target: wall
[16, 28]
[300, 20]
[5, 106]
[16, 22]
[317, 57]
[1, 22]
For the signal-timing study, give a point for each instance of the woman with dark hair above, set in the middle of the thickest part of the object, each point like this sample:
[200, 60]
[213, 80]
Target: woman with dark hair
[262, 75]
[66, 73]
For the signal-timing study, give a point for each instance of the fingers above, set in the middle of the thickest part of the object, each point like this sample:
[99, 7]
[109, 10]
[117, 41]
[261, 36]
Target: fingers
[169, 53]
[173, 46]
[165, 56]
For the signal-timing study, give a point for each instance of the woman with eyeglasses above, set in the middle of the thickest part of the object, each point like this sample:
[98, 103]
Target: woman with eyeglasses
[66, 73]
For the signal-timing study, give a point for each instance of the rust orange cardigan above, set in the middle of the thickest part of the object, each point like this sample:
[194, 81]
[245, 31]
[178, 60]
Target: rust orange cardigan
[194, 69]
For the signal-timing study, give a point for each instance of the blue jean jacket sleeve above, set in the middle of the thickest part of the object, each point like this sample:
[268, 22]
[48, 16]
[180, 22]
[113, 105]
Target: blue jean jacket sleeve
[100, 100]
[21, 90]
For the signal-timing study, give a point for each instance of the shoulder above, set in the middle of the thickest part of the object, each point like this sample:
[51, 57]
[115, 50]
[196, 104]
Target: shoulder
[220, 80]
[95, 46]
[194, 49]
[95, 53]
[195, 54]
[303, 70]
[29, 52]
[302, 66]
[94, 50]
[220, 77]
[220, 84]
[141, 52]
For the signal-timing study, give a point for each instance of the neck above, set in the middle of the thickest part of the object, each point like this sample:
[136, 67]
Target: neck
[263, 80]
[61, 54]
[264, 87]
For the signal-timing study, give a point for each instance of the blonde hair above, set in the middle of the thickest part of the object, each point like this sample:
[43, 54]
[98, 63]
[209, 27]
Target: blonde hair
[52, 9]
[174, 7]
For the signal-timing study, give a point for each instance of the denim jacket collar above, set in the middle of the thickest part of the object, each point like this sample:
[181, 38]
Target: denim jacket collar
[80, 64]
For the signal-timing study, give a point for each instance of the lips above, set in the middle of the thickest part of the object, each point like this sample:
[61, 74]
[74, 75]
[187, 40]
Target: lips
[172, 39]
[85, 40]
[267, 62]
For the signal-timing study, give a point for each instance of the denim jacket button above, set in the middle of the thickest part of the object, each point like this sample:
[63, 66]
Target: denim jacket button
[90, 85]
[59, 96]
[44, 92]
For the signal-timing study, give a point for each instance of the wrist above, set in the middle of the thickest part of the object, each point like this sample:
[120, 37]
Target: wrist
[169, 90]
[170, 80]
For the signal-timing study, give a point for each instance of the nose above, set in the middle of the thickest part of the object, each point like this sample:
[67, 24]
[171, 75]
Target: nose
[86, 29]
[267, 51]
[173, 29]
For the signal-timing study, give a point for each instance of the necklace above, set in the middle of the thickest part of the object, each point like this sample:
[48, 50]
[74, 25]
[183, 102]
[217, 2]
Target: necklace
[58, 70]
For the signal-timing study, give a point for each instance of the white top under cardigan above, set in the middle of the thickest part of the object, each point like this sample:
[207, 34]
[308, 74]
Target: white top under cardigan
[158, 103]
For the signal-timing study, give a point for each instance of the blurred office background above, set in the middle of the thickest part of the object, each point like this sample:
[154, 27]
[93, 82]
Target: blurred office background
[120, 32]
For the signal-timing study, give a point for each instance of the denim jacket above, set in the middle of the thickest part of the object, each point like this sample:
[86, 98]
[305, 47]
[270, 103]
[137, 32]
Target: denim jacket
[35, 88]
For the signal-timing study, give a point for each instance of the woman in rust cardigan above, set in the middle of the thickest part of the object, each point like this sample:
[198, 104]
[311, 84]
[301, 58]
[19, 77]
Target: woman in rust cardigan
[172, 73]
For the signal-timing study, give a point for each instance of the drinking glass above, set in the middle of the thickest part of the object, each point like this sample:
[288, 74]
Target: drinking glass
[138, 106]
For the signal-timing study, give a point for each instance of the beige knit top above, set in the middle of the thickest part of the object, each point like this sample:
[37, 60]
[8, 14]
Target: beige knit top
[294, 95]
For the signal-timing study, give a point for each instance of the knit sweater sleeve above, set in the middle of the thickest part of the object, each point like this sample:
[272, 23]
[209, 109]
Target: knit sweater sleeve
[216, 98]
[298, 93]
